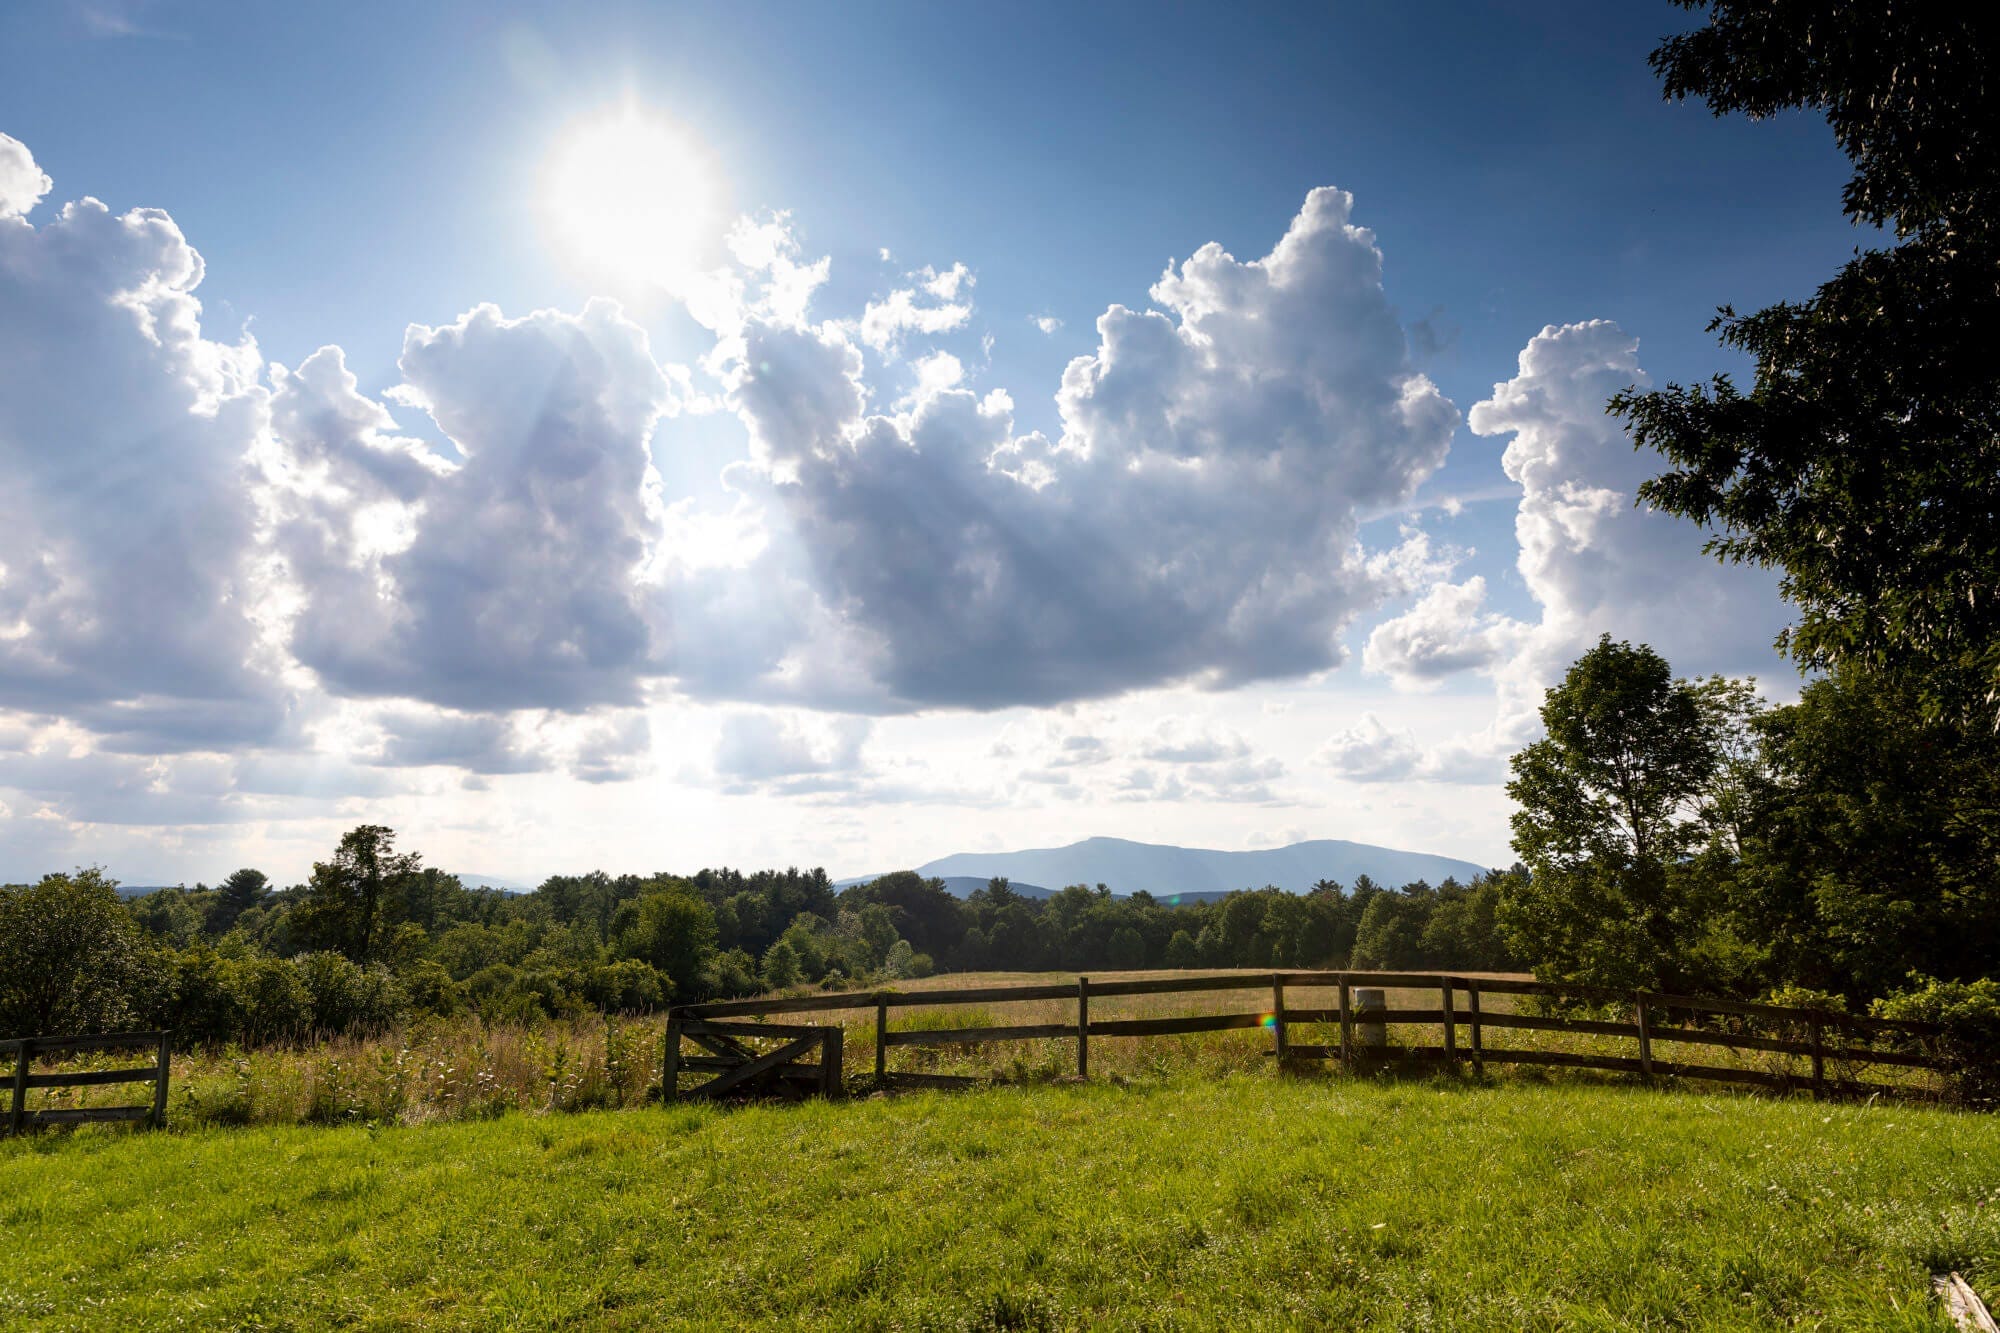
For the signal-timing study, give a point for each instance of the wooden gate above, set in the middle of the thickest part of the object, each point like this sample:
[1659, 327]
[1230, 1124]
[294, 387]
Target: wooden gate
[25, 1049]
[742, 1069]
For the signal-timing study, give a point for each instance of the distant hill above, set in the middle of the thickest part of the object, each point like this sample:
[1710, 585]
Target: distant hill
[1191, 873]
[494, 882]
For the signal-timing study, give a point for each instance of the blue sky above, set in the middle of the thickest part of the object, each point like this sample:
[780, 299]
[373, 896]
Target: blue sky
[348, 171]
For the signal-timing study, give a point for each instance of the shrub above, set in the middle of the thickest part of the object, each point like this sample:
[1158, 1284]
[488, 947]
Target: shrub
[347, 997]
[1969, 1013]
[271, 998]
[626, 986]
[70, 959]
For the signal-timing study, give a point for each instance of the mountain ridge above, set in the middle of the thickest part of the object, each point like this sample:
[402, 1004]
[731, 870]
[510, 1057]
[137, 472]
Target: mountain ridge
[1165, 870]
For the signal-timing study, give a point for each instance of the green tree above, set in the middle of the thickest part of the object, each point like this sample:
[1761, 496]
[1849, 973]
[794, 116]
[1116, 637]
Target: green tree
[1127, 949]
[1612, 802]
[1864, 463]
[781, 966]
[674, 931]
[236, 895]
[1874, 848]
[344, 901]
[1181, 951]
[70, 957]
[1391, 932]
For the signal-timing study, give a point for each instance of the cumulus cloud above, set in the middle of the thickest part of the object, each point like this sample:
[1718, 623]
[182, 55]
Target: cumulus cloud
[1446, 632]
[511, 597]
[130, 583]
[935, 305]
[1048, 324]
[22, 183]
[517, 580]
[1594, 562]
[1372, 751]
[1179, 740]
[1196, 519]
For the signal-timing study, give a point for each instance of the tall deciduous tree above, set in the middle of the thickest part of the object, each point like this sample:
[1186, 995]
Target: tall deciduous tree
[1613, 803]
[345, 899]
[1864, 463]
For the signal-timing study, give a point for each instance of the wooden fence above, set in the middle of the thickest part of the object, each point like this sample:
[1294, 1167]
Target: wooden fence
[25, 1049]
[1836, 1044]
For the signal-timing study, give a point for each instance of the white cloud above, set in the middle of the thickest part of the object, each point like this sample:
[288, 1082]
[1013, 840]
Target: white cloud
[1446, 632]
[1371, 752]
[519, 583]
[1196, 520]
[1594, 562]
[761, 746]
[512, 600]
[22, 183]
[130, 580]
[884, 323]
[1048, 324]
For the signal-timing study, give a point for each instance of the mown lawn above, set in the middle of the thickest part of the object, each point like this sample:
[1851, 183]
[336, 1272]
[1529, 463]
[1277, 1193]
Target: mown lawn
[1242, 1202]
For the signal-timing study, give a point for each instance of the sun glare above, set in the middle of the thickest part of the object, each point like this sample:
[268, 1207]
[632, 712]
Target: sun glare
[632, 200]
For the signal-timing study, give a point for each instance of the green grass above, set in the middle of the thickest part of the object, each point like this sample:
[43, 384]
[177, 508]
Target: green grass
[1240, 1202]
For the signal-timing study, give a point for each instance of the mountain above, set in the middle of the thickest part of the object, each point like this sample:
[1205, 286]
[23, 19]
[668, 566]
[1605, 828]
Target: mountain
[495, 882]
[1164, 871]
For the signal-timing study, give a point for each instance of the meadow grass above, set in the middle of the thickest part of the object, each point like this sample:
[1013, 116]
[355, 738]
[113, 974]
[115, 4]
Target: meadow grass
[1240, 1201]
[465, 1069]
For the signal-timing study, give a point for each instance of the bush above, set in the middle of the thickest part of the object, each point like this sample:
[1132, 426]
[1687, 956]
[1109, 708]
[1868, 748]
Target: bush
[626, 986]
[272, 1001]
[432, 990]
[347, 997]
[70, 957]
[1969, 1013]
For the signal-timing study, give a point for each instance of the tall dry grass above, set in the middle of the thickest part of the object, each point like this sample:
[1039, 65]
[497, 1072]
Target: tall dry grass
[467, 1069]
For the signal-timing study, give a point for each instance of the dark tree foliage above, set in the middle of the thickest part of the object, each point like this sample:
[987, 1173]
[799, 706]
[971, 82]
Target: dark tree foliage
[1874, 853]
[243, 890]
[1864, 463]
[343, 907]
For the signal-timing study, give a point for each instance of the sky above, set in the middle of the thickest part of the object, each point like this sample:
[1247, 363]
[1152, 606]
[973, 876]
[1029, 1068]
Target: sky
[641, 437]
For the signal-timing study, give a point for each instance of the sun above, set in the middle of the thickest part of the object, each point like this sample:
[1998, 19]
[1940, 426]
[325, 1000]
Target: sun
[632, 200]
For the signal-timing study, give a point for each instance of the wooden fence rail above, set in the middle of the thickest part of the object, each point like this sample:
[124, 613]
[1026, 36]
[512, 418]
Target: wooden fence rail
[1820, 1036]
[24, 1050]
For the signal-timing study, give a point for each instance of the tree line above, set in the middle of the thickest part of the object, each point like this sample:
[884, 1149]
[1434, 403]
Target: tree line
[375, 937]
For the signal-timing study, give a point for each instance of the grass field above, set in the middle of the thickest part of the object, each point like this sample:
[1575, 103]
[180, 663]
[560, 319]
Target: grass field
[1237, 1201]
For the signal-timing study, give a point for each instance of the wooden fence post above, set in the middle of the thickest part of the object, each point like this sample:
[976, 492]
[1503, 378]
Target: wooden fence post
[1450, 1023]
[830, 1052]
[19, 1114]
[881, 1041]
[1478, 1040]
[670, 1061]
[1346, 1027]
[159, 1120]
[1818, 1060]
[1278, 1016]
[1645, 1035]
[1083, 1027]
